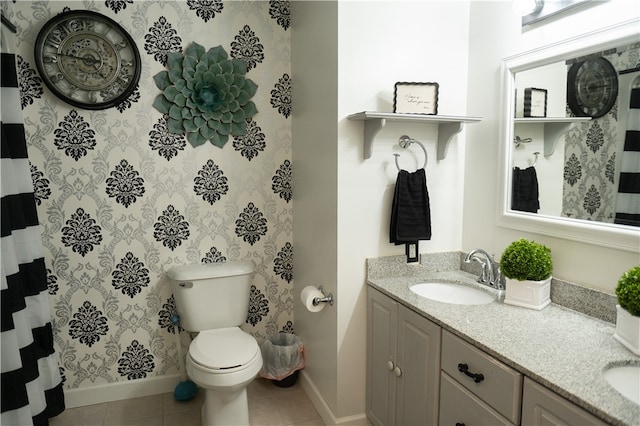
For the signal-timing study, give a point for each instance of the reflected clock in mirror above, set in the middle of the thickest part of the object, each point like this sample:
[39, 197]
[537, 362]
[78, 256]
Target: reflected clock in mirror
[587, 78]
[592, 86]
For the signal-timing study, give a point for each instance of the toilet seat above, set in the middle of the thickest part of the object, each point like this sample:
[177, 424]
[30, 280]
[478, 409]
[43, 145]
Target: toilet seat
[224, 350]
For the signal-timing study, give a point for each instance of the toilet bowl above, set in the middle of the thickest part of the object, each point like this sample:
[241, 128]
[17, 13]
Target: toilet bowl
[223, 362]
[213, 300]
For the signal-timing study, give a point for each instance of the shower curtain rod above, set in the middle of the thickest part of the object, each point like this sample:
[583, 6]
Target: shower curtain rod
[9, 24]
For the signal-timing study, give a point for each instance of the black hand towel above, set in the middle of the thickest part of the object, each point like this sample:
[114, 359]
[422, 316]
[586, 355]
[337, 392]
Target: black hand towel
[410, 211]
[524, 190]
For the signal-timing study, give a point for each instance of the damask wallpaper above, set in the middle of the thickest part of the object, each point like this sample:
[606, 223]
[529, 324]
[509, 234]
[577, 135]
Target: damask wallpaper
[590, 156]
[121, 200]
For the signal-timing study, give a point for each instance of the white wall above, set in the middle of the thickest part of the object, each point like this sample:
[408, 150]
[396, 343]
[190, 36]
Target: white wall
[314, 166]
[549, 170]
[593, 266]
[381, 43]
[378, 44]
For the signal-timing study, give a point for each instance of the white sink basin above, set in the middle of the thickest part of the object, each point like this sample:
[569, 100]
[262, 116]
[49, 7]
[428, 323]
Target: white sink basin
[626, 380]
[457, 294]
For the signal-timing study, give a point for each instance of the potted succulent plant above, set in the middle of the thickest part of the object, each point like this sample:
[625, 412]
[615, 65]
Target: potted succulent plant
[527, 267]
[628, 310]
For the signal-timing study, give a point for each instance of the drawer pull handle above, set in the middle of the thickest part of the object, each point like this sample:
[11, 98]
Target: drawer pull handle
[464, 368]
[460, 424]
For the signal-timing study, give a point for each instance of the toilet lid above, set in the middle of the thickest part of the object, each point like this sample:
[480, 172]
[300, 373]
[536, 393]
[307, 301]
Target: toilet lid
[223, 348]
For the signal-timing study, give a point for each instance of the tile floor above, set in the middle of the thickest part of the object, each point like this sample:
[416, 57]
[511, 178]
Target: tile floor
[268, 405]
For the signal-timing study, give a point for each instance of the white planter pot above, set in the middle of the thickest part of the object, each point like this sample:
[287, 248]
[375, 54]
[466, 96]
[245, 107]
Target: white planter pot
[627, 330]
[528, 294]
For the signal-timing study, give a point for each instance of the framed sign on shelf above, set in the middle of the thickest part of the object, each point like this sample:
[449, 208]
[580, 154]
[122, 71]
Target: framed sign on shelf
[416, 98]
[535, 102]
[534, 11]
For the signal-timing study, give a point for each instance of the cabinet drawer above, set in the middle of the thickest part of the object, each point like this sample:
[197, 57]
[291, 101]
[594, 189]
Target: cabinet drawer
[459, 406]
[499, 386]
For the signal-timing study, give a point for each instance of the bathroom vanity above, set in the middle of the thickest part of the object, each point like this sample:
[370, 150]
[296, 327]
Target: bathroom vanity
[431, 362]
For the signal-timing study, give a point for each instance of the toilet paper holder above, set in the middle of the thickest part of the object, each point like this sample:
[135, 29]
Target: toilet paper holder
[326, 299]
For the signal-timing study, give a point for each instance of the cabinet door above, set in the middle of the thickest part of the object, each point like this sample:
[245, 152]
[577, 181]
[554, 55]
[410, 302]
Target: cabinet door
[418, 383]
[382, 313]
[540, 406]
[459, 406]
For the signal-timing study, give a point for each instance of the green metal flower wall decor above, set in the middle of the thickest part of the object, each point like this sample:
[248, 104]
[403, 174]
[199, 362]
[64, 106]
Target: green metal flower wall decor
[205, 95]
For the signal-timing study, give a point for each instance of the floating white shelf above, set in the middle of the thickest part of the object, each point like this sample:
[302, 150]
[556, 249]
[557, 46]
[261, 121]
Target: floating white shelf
[448, 126]
[553, 128]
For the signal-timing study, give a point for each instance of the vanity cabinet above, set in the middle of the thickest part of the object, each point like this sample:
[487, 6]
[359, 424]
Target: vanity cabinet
[540, 406]
[420, 374]
[475, 387]
[403, 364]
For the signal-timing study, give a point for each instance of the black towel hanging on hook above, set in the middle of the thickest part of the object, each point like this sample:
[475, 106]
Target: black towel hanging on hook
[410, 211]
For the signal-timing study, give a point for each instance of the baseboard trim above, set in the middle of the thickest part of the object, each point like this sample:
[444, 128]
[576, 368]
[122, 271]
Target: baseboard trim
[323, 408]
[121, 390]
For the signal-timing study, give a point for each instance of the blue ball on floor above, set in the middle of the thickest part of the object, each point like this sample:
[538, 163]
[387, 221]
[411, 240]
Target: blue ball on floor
[185, 391]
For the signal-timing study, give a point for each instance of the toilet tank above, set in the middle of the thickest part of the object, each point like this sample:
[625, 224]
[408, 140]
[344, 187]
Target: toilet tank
[211, 295]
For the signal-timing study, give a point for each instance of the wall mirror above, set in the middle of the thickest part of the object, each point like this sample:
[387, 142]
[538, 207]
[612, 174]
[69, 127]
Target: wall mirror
[565, 112]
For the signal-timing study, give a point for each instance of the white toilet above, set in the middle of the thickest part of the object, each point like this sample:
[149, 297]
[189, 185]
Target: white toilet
[213, 299]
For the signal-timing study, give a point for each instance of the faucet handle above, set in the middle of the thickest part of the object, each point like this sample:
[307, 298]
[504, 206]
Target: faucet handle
[484, 276]
[501, 282]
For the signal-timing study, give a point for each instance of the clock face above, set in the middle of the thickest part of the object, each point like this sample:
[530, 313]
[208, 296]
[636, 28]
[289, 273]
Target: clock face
[592, 87]
[87, 59]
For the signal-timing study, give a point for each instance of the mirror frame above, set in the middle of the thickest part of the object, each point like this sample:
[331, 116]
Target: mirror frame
[603, 234]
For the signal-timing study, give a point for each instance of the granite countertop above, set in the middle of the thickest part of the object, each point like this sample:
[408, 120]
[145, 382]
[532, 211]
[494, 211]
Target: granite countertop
[564, 350]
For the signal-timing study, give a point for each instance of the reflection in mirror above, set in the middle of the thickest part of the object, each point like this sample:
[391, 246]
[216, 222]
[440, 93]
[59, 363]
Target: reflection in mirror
[572, 165]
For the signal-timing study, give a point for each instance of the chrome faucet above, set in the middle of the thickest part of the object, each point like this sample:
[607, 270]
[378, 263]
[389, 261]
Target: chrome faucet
[491, 275]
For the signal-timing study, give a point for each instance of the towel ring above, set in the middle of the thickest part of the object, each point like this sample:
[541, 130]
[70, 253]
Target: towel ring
[404, 143]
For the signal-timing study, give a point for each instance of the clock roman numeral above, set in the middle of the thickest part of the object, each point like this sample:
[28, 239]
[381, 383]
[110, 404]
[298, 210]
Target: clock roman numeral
[121, 44]
[57, 77]
[68, 28]
[53, 43]
[56, 36]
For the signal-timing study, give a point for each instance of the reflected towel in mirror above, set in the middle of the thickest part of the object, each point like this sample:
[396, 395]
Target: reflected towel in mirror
[524, 190]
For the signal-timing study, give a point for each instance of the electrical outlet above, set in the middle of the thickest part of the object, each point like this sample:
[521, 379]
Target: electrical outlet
[411, 251]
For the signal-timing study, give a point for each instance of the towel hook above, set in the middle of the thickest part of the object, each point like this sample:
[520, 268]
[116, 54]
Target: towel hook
[535, 161]
[404, 143]
[519, 141]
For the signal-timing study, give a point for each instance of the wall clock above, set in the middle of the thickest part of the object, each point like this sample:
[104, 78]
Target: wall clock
[592, 87]
[87, 59]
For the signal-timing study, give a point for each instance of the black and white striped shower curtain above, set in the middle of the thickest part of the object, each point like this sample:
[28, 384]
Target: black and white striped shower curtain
[30, 383]
[628, 202]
